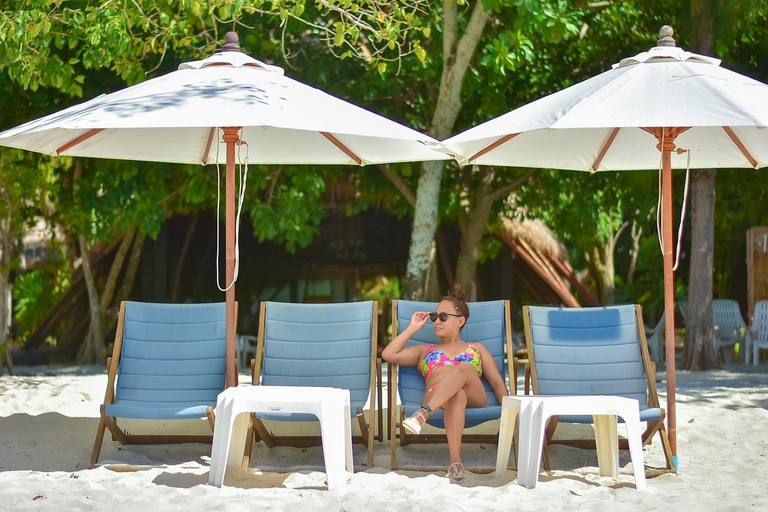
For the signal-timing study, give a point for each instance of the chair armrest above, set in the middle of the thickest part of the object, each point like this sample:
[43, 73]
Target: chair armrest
[515, 372]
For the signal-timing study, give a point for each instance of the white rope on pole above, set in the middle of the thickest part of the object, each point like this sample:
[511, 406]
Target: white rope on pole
[243, 175]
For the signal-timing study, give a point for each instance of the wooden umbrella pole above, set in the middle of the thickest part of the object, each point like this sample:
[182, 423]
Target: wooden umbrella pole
[231, 138]
[666, 145]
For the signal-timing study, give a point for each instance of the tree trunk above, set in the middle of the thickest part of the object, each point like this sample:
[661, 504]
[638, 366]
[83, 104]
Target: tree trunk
[457, 53]
[471, 236]
[183, 258]
[423, 231]
[109, 312]
[698, 353]
[6, 310]
[131, 270]
[92, 349]
[637, 233]
[473, 222]
[433, 293]
[114, 272]
[601, 266]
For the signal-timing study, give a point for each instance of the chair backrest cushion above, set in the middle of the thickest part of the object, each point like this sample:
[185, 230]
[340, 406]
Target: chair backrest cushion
[486, 325]
[588, 351]
[324, 345]
[173, 358]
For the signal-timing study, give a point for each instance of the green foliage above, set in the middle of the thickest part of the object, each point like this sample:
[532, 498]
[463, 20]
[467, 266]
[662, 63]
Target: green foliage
[35, 294]
[286, 206]
[54, 46]
[381, 288]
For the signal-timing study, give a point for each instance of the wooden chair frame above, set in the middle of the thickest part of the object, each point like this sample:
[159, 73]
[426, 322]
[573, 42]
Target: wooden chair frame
[397, 413]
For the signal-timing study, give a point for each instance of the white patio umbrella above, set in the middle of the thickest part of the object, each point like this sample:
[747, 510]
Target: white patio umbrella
[204, 110]
[650, 111]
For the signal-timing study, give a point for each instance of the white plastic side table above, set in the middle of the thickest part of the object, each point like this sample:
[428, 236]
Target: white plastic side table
[330, 405]
[533, 411]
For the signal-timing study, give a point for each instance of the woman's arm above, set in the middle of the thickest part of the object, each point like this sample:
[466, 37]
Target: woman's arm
[396, 351]
[491, 373]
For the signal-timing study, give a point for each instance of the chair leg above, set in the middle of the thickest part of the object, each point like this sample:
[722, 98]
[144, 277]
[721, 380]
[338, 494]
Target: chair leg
[651, 429]
[249, 440]
[117, 433]
[379, 402]
[392, 437]
[547, 463]
[403, 433]
[371, 432]
[363, 425]
[263, 433]
[667, 448]
[98, 442]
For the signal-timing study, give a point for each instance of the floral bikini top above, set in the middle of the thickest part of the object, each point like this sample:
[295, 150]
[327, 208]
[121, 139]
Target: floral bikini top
[435, 358]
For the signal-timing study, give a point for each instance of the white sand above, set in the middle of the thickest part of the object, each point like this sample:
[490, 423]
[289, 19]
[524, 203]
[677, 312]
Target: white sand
[48, 421]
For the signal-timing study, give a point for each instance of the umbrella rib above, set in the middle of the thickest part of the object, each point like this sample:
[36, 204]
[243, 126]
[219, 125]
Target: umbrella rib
[605, 149]
[208, 146]
[736, 140]
[493, 146]
[336, 142]
[87, 135]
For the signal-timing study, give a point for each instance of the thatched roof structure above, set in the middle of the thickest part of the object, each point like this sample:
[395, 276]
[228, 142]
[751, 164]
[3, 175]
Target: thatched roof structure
[545, 269]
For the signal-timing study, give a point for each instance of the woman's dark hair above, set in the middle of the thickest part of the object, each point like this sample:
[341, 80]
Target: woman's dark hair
[458, 298]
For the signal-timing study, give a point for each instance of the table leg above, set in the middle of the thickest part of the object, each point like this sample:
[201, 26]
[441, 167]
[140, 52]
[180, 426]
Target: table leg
[238, 438]
[509, 414]
[634, 439]
[532, 418]
[349, 462]
[222, 434]
[333, 430]
[607, 444]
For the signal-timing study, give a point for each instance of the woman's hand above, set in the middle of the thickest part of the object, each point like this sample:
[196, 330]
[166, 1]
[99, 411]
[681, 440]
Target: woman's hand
[419, 320]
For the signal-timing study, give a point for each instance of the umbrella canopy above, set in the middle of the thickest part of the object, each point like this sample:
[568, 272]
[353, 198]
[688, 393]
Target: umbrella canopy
[606, 122]
[202, 111]
[645, 113]
[173, 118]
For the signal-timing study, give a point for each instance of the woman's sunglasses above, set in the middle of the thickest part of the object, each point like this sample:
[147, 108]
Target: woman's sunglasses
[442, 316]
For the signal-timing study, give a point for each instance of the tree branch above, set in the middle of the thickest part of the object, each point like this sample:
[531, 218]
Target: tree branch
[400, 184]
[505, 191]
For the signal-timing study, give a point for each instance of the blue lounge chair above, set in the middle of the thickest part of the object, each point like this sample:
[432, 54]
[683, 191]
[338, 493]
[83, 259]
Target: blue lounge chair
[593, 351]
[317, 345]
[168, 362]
[489, 324]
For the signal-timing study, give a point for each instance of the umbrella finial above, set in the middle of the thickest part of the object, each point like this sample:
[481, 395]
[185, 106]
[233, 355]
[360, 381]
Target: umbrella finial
[665, 36]
[230, 42]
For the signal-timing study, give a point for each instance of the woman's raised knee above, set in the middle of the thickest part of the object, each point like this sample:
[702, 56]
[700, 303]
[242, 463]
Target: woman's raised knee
[457, 400]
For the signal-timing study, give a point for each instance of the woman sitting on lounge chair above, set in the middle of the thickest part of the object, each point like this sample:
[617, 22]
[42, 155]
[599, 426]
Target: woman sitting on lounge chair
[452, 370]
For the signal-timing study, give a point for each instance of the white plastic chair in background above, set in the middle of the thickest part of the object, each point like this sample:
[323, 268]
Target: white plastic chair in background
[730, 327]
[245, 346]
[655, 339]
[759, 330]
